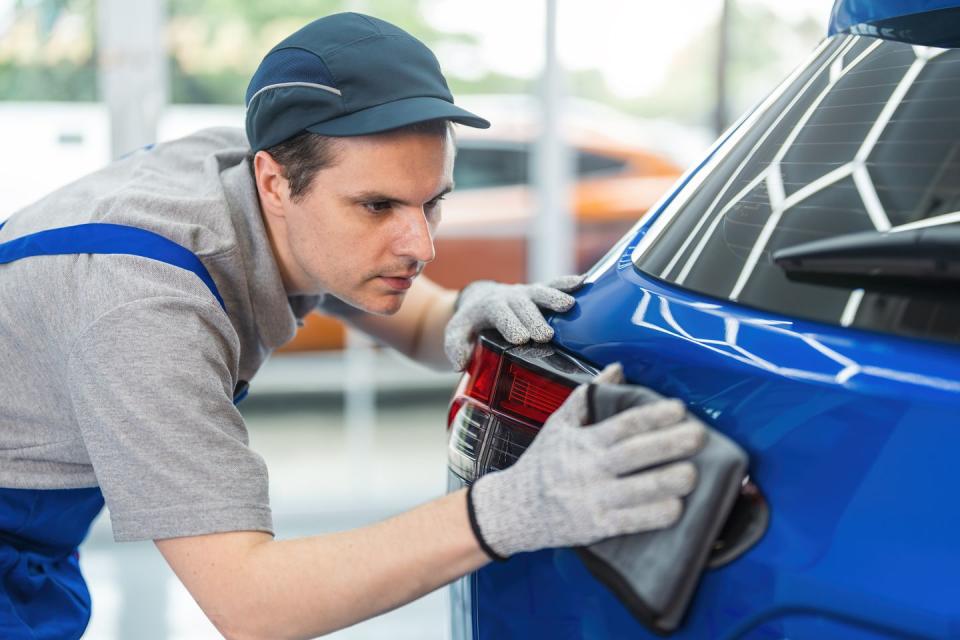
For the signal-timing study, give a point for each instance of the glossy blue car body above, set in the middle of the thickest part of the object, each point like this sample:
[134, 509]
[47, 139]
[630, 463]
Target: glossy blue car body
[849, 15]
[854, 440]
[853, 437]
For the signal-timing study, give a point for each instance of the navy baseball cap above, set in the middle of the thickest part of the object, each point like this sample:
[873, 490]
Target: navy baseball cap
[347, 75]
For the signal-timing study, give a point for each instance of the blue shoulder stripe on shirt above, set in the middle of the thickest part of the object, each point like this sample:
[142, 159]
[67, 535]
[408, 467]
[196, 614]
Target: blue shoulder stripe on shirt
[107, 238]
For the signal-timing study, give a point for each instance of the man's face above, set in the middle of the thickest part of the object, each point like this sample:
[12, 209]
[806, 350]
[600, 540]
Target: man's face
[364, 230]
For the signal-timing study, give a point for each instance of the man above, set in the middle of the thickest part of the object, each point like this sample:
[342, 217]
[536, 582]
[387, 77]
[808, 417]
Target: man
[138, 302]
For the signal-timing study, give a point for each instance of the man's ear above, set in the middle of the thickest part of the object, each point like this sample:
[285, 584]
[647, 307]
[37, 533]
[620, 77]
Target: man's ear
[272, 186]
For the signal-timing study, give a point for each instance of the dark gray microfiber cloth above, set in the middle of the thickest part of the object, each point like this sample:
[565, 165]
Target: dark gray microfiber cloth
[654, 574]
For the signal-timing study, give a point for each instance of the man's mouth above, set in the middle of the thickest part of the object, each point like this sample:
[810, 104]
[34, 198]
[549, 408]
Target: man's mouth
[400, 282]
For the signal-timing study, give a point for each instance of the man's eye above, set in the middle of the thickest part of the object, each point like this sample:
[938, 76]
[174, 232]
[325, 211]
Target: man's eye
[435, 203]
[380, 206]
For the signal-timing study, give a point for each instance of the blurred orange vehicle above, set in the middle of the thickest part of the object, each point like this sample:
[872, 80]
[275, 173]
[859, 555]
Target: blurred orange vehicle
[617, 176]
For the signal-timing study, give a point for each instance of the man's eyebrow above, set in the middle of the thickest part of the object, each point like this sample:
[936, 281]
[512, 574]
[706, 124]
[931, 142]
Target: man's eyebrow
[379, 196]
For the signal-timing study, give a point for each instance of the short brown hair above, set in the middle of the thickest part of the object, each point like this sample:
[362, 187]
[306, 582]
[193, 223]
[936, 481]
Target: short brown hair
[303, 155]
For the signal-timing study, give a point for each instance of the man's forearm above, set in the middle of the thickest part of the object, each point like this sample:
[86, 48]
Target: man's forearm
[428, 349]
[417, 329]
[254, 587]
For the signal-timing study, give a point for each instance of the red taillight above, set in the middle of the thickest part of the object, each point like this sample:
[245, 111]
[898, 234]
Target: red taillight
[478, 381]
[483, 368]
[530, 395]
[501, 402]
[521, 393]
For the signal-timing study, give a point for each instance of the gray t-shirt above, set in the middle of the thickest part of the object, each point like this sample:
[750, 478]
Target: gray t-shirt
[119, 371]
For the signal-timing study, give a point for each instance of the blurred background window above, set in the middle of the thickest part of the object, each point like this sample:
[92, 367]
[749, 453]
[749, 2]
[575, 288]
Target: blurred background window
[592, 164]
[481, 166]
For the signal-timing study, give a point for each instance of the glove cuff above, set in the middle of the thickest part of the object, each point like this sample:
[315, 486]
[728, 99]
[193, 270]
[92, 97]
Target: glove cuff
[475, 527]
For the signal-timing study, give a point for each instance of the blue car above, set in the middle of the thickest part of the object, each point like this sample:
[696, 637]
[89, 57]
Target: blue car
[799, 290]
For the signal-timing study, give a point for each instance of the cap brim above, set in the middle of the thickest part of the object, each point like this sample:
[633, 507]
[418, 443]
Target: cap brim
[396, 114]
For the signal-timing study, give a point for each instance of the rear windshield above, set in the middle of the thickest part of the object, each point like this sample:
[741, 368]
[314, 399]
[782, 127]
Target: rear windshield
[867, 137]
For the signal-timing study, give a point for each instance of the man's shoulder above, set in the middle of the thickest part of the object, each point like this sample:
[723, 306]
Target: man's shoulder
[113, 285]
[173, 188]
[213, 141]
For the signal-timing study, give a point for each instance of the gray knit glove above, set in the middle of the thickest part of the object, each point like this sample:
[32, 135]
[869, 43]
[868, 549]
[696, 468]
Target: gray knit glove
[574, 486]
[511, 309]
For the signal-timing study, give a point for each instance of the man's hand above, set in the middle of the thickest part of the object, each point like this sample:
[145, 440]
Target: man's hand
[574, 485]
[511, 309]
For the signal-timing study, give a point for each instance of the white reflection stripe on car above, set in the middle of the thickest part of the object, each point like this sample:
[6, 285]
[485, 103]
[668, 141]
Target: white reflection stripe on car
[777, 208]
[861, 177]
[709, 213]
[729, 346]
[850, 310]
[730, 141]
[936, 221]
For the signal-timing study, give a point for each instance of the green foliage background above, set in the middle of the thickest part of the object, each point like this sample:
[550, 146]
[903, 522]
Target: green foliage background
[215, 45]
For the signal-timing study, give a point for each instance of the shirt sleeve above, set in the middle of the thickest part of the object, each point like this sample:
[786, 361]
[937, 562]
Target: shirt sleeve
[151, 384]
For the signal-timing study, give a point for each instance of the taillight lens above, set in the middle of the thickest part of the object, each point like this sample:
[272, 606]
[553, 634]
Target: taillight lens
[507, 441]
[499, 406]
[529, 395]
[465, 440]
[482, 371]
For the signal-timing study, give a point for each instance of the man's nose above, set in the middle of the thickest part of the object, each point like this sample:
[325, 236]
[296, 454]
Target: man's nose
[415, 238]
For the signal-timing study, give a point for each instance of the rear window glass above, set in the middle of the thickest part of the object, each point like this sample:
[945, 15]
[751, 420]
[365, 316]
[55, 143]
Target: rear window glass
[866, 138]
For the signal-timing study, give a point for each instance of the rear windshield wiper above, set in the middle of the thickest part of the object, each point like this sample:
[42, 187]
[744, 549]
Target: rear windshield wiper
[927, 258]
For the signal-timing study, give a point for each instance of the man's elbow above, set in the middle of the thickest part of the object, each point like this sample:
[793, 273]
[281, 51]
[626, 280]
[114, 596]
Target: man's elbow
[254, 619]
[232, 578]
[249, 625]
